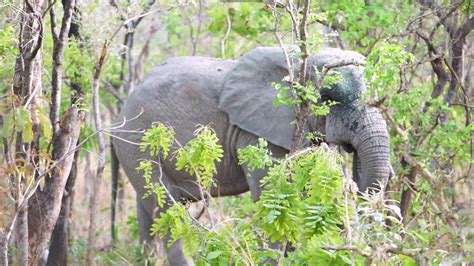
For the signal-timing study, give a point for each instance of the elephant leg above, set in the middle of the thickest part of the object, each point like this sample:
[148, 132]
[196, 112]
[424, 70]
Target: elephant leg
[175, 253]
[253, 180]
[144, 223]
[145, 220]
[254, 177]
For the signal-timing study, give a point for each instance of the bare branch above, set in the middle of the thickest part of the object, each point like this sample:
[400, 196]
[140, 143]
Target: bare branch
[198, 30]
[59, 41]
[347, 248]
[229, 27]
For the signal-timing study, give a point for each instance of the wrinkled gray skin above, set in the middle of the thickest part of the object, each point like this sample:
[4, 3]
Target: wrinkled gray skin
[234, 97]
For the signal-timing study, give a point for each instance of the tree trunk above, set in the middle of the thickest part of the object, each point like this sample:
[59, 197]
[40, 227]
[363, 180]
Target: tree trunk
[46, 205]
[101, 157]
[60, 239]
[58, 249]
[115, 187]
[3, 248]
[27, 86]
[22, 235]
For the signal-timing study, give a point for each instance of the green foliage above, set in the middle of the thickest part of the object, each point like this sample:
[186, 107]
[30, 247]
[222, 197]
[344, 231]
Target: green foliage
[363, 24]
[19, 119]
[313, 254]
[236, 243]
[417, 112]
[125, 251]
[383, 69]
[78, 62]
[126, 255]
[152, 188]
[177, 222]
[256, 157]
[158, 137]
[78, 249]
[297, 94]
[302, 202]
[310, 202]
[250, 23]
[279, 210]
[8, 53]
[247, 19]
[132, 223]
[24, 124]
[200, 155]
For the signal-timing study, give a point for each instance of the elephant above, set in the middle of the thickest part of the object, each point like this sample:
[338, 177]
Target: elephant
[234, 97]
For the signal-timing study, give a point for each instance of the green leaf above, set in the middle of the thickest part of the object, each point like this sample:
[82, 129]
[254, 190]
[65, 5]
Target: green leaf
[200, 155]
[256, 157]
[24, 123]
[45, 126]
[22, 118]
[157, 138]
[7, 128]
[27, 133]
[213, 254]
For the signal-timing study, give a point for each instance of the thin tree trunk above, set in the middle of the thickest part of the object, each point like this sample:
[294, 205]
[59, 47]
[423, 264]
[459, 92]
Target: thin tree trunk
[59, 41]
[303, 110]
[457, 58]
[115, 186]
[407, 194]
[3, 248]
[58, 249]
[46, 204]
[101, 158]
[27, 86]
[22, 235]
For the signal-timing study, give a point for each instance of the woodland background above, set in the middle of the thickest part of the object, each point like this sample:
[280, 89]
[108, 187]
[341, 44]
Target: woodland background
[67, 66]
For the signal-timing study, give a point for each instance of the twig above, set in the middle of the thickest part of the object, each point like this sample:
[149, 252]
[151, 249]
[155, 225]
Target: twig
[280, 42]
[198, 30]
[114, 92]
[59, 41]
[229, 27]
[348, 248]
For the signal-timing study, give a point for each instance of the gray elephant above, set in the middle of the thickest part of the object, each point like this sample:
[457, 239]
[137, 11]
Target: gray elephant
[235, 98]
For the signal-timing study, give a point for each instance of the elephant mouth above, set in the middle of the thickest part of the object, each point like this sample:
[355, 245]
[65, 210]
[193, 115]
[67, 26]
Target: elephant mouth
[347, 147]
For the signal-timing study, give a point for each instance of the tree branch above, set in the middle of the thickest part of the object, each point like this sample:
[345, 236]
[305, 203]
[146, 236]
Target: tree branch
[59, 40]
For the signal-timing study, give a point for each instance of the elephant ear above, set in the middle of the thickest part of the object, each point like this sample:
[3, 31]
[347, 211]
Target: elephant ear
[350, 85]
[248, 95]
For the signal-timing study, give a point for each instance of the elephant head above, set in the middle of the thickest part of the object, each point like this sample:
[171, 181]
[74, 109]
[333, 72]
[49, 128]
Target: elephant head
[248, 95]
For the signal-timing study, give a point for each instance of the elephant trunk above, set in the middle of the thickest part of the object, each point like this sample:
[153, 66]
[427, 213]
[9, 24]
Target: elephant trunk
[366, 131]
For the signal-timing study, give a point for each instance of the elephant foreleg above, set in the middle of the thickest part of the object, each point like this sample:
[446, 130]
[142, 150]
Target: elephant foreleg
[254, 177]
[145, 220]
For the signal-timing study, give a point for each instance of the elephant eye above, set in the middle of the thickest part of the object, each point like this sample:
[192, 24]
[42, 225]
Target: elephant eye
[324, 96]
